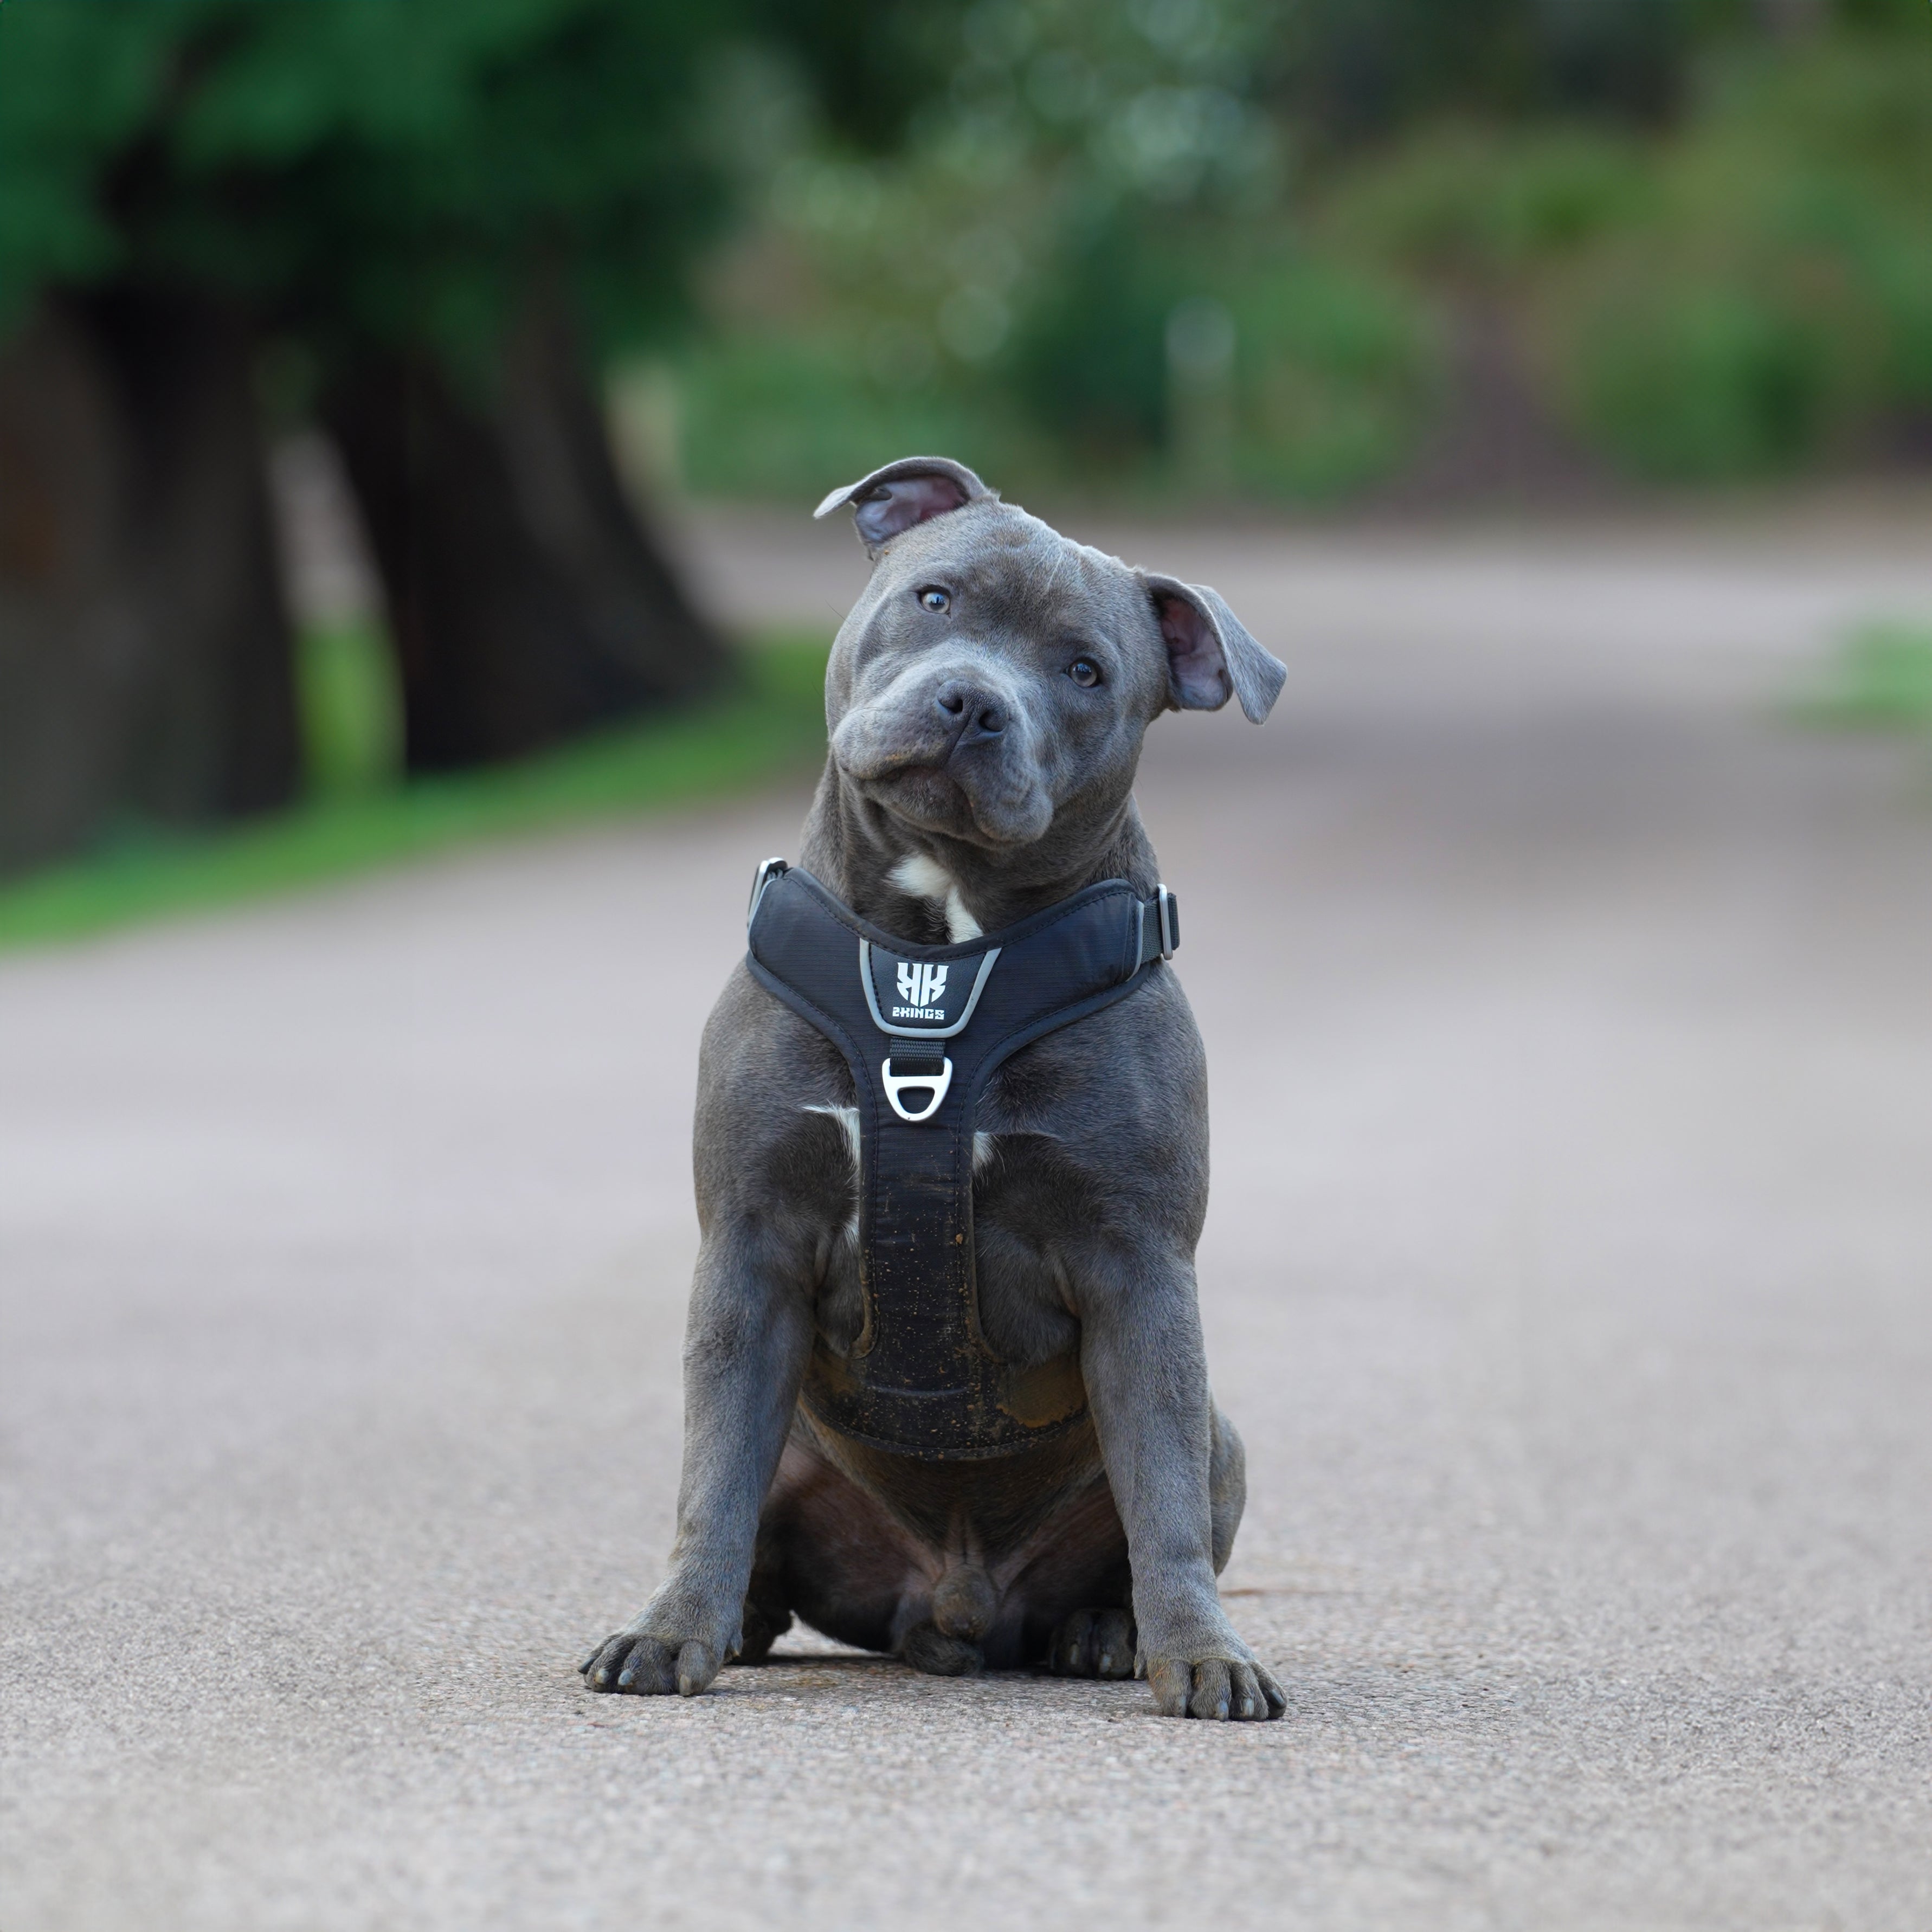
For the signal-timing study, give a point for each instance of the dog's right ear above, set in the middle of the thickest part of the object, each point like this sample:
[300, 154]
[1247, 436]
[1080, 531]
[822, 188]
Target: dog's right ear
[912, 491]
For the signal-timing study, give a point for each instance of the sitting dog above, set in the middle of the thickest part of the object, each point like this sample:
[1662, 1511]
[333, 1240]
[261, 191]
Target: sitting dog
[987, 698]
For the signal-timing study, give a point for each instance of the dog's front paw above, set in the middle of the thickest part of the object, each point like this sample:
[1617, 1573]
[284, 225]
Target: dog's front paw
[1214, 1687]
[650, 1665]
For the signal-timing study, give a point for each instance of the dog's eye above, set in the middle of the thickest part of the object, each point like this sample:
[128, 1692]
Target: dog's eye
[1084, 672]
[933, 598]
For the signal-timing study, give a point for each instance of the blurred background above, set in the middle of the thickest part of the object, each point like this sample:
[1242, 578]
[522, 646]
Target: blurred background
[410, 415]
[360, 361]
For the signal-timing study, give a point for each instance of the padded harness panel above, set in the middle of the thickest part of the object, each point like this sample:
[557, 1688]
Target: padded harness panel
[922, 1027]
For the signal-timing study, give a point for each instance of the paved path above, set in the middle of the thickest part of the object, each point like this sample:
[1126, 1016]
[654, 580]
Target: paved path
[1569, 1272]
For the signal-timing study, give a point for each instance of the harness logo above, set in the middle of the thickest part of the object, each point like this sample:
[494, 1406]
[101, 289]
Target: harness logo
[919, 987]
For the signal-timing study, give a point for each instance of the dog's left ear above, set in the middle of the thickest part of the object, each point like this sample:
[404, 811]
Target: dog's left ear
[910, 491]
[1210, 656]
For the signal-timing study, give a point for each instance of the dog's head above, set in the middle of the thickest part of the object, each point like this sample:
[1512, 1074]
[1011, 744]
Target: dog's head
[996, 679]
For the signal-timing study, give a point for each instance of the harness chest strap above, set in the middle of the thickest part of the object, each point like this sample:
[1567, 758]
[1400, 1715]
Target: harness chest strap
[922, 1028]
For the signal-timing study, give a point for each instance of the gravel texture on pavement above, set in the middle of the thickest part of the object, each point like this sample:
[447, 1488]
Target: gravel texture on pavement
[1569, 1273]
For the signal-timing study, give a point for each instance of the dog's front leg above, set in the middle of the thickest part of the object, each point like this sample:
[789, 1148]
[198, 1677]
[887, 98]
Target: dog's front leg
[1146, 1372]
[744, 1350]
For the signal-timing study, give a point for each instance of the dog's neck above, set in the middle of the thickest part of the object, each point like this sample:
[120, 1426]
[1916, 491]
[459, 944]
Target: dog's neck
[935, 891]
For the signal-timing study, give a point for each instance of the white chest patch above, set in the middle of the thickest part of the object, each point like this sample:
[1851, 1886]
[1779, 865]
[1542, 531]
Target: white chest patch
[924, 878]
[847, 1118]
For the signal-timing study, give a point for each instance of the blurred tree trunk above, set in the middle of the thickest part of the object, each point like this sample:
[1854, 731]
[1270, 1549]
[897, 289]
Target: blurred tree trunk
[527, 603]
[1496, 443]
[144, 651]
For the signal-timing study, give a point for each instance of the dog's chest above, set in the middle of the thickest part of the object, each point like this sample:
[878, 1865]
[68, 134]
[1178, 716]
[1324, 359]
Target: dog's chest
[1022, 1205]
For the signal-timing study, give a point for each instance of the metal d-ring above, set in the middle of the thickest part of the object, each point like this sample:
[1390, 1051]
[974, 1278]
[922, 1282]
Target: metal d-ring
[938, 1082]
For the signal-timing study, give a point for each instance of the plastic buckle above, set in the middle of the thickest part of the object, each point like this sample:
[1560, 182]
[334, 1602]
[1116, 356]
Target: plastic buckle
[896, 1083]
[768, 870]
[1168, 909]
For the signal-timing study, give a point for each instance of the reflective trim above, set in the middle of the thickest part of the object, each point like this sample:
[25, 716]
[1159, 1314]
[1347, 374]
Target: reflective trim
[885, 1025]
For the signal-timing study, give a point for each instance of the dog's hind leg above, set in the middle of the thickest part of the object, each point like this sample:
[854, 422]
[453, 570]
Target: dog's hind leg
[767, 1611]
[1227, 1490]
[1100, 1639]
[828, 1555]
[1093, 1643]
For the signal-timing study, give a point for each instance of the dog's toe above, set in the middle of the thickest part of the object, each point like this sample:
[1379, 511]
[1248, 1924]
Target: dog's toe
[1255, 1695]
[1093, 1643]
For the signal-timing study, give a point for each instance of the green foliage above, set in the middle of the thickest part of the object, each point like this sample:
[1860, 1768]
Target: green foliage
[1696, 381]
[1355, 69]
[1336, 375]
[773, 723]
[1774, 303]
[1748, 294]
[1483, 202]
[1725, 270]
[1007, 289]
[430, 159]
[1089, 365]
[786, 416]
[1017, 268]
[1899, 16]
[871, 66]
[363, 166]
[73, 92]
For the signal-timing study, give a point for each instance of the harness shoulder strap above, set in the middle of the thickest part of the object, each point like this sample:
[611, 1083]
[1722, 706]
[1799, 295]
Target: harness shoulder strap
[923, 1029]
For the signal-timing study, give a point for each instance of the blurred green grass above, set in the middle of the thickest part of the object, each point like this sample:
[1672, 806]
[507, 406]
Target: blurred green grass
[352, 710]
[1881, 678]
[770, 723]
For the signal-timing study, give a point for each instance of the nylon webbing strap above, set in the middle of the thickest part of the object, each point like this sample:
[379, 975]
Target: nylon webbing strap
[923, 1029]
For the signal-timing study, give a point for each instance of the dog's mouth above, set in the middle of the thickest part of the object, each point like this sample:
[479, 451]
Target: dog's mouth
[927, 796]
[988, 795]
[930, 799]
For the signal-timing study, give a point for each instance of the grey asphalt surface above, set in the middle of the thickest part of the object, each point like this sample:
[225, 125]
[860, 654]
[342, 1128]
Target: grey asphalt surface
[1569, 1273]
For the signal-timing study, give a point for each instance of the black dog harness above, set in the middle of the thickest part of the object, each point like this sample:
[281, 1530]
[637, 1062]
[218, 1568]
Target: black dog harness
[922, 1027]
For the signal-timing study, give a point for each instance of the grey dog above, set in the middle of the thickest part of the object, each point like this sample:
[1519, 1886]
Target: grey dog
[986, 698]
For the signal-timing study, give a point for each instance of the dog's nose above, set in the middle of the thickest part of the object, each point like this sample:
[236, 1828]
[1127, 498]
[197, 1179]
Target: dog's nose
[969, 714]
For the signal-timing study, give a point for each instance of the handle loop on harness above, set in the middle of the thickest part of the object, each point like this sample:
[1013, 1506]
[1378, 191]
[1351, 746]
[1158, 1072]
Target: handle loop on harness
[894, 1084]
